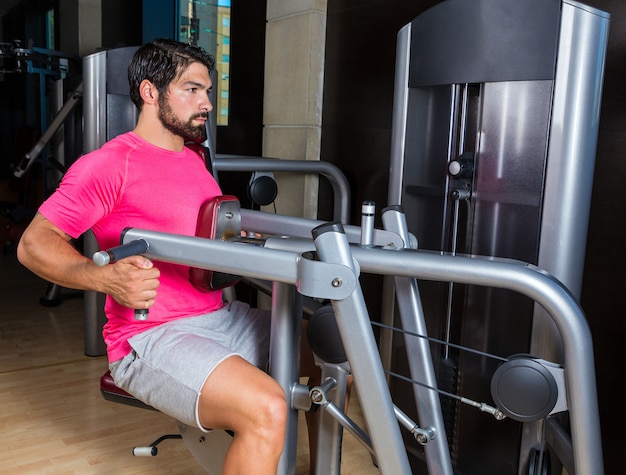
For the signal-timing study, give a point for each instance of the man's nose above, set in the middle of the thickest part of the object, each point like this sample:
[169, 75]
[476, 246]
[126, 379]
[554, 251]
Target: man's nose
[207, 105]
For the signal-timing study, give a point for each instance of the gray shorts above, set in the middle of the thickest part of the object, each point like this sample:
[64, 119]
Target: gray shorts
[169, 364]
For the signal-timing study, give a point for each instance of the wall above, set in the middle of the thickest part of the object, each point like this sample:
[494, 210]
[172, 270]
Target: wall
[358, 91]
[292, 107]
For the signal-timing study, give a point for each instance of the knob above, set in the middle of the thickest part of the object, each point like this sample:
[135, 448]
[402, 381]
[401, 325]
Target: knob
[461, 168]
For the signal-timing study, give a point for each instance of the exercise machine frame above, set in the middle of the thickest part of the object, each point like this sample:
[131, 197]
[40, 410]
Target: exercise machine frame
[331, 272]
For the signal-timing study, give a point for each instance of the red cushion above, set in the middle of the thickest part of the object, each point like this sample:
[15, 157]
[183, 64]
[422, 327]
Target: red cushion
[107, 385]
[111, 392]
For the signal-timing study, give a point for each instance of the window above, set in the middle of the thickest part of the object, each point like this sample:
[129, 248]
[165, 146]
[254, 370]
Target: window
[50, 29]
[207, 24]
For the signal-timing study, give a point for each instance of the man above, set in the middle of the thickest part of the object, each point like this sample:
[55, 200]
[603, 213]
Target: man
[195, 357]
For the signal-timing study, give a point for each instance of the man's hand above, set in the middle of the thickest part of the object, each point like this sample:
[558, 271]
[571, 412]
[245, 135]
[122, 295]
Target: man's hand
[46, 250]
[133, 282]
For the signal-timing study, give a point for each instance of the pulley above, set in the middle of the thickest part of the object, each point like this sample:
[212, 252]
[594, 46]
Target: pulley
[524, 389]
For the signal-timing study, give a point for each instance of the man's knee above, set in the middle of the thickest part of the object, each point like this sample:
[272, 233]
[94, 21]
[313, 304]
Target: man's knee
[274, 406]
[271, 416]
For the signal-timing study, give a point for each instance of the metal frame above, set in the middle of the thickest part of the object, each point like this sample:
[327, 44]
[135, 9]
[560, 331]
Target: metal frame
[335, 277]
[336, 178]
[571, 73]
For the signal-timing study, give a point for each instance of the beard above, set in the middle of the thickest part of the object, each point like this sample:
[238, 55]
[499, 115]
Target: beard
[188, 130]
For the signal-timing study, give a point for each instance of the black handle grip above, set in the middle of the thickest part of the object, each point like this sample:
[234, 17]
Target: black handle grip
[133, 248]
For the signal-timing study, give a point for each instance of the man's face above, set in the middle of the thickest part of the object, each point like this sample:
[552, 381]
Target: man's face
[184, 109]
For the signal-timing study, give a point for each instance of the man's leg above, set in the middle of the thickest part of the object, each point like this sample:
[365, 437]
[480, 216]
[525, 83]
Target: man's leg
[240, 397]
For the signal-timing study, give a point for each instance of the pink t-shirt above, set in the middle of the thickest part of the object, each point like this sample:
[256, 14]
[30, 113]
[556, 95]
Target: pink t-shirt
[131, 183]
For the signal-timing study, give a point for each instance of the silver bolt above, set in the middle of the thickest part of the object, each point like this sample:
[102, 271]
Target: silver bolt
[316, 396]
[337, 282]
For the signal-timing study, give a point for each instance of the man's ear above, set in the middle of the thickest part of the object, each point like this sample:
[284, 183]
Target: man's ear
[148, 92]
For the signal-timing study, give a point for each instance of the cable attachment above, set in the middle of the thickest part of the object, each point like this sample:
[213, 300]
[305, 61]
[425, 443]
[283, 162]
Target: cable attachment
[421, 435]
[494, 411]
[318, 393]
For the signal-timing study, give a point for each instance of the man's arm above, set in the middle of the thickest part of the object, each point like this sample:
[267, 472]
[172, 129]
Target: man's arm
[46, 251]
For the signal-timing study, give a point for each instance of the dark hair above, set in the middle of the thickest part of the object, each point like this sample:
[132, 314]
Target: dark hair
[162, 61]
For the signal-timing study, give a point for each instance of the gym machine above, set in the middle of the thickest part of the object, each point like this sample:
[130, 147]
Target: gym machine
[323, 261]
[495, 126]
[47, 64]
[55, 71]
[492, 155]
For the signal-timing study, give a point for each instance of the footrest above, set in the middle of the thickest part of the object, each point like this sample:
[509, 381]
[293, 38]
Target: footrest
[152, 450]
[111, 392]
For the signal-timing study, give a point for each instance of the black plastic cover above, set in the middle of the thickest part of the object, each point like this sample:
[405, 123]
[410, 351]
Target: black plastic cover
[477, 41]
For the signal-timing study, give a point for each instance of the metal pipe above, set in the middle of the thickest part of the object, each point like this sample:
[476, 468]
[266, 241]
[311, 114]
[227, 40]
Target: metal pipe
[356, 331]
[358, 340]
[338, 181]
[548, 292]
